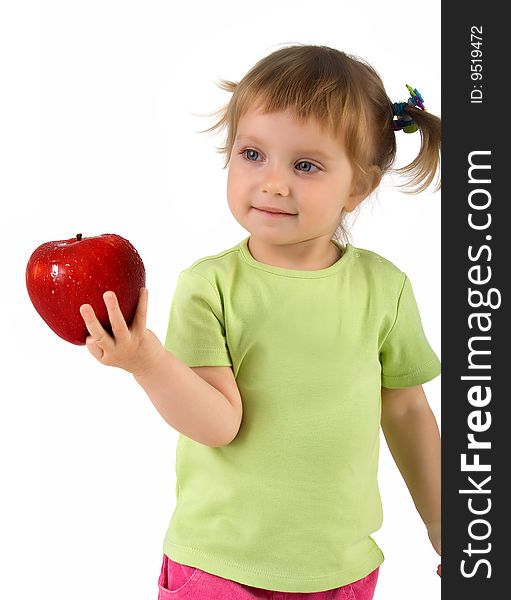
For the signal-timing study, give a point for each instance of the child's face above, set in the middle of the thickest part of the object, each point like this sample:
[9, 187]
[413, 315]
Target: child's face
[278, 162]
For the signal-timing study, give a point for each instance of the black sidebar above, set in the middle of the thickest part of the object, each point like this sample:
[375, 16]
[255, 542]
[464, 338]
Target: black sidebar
[476, 268]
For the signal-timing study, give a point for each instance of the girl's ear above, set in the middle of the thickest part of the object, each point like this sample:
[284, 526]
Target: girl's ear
[363, 185]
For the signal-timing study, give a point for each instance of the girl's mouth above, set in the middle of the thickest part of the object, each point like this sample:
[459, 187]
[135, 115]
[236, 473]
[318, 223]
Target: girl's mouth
[272, 214]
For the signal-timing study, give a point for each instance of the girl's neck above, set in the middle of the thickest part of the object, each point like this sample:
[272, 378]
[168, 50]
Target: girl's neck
[311, 255]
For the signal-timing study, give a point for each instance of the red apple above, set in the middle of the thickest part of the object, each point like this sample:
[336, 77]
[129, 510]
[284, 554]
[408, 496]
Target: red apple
[63, 275]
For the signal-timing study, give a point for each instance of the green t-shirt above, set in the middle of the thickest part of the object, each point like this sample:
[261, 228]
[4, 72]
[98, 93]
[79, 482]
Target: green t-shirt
[290, 503]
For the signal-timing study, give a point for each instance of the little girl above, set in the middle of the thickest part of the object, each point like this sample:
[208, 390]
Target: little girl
[286, 352]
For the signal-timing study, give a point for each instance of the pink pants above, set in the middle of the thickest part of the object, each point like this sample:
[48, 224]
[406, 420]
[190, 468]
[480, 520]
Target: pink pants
[179, 581]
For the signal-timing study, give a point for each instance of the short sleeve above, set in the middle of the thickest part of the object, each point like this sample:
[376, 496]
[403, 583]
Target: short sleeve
[196, 327]
[406, 357]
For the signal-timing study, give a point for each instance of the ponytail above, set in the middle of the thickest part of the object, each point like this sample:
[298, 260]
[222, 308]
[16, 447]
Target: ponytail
[421, 171]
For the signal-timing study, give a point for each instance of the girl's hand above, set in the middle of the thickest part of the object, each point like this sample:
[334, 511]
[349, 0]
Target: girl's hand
[133, 349]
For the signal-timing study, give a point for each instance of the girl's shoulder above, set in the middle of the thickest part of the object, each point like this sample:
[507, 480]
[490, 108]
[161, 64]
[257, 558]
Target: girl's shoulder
[378, 275]
[208, 265]
[374, 262]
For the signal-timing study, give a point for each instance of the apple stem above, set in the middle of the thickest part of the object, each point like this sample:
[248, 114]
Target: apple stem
[78, 237]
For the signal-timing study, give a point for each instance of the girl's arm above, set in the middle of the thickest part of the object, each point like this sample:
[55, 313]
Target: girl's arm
[189, 403]
[184, 398]
[413, 438]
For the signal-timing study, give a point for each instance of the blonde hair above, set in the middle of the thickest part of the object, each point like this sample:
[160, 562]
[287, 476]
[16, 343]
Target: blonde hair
[346, 96]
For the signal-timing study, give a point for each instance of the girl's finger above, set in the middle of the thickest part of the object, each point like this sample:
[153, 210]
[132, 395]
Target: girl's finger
[94, 327]
[93, 347]
[119, 327]
[139, 322]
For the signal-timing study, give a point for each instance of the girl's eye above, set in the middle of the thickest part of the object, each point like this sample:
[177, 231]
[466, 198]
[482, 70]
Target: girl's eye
[306, 162]
[249, 152]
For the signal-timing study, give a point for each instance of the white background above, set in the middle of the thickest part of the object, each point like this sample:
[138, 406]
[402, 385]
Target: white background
[99, 134]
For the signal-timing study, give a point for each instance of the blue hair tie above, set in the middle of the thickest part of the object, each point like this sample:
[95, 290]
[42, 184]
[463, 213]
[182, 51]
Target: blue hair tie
[406, 122]
[398, 108]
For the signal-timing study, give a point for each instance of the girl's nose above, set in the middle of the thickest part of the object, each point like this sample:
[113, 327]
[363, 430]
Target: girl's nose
[275, 182]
